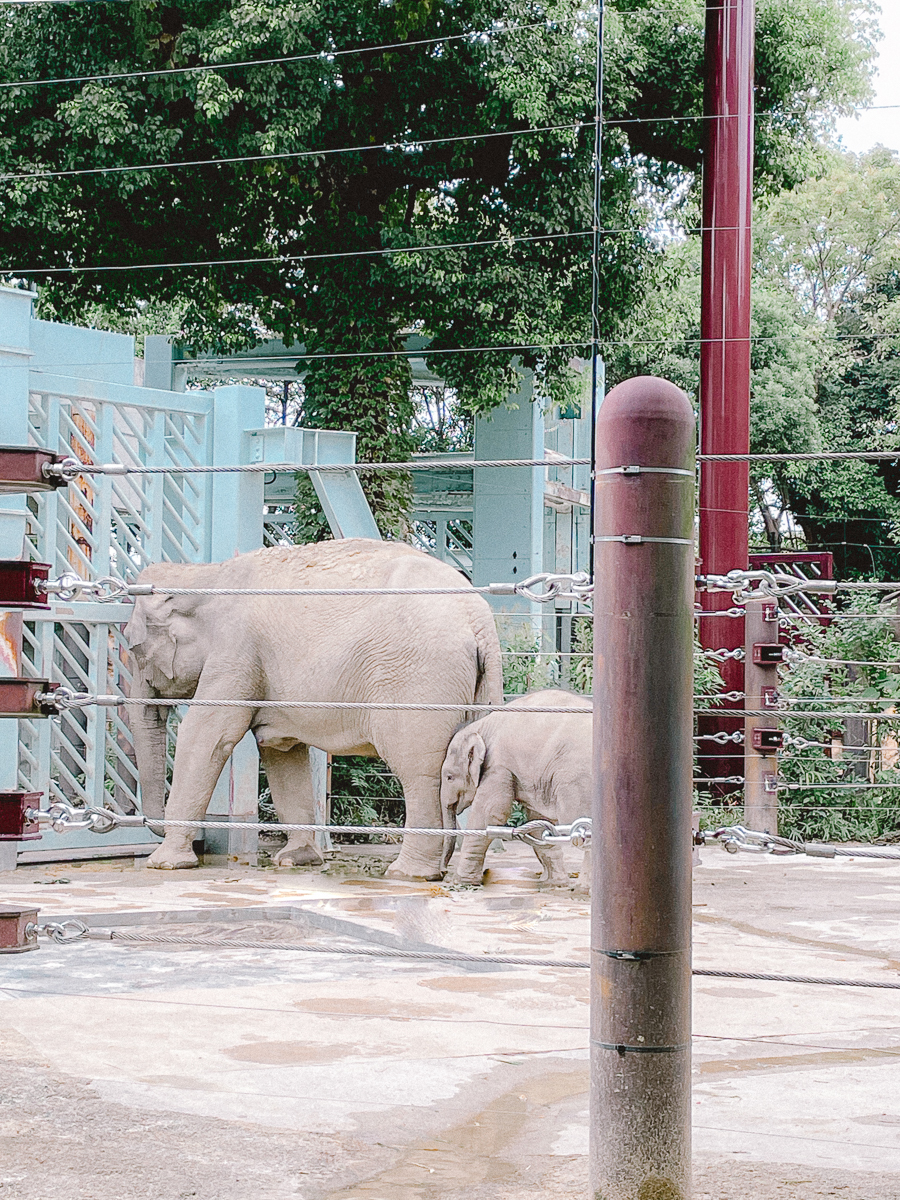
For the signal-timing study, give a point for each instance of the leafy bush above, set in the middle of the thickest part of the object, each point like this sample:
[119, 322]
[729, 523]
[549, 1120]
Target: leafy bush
[863, 632]
[526, 667]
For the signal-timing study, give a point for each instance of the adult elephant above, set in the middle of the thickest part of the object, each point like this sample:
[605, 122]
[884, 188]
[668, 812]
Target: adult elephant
[377, 649]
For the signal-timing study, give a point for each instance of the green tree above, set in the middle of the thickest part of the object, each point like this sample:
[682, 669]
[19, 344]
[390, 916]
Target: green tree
[833, 245]
[783, 361]
[511, 69]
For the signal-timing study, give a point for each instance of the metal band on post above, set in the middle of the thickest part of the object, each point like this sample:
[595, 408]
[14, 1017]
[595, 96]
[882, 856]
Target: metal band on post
[641, 885]
[762, 735]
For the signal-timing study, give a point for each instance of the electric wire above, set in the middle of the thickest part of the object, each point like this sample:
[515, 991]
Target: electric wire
[321, 56]
[384, 251]
[240, 363]
[407, 145]
[466, 959]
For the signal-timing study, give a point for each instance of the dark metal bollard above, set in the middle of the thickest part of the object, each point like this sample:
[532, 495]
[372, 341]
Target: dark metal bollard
[641, 855]
[15, 825]
[18, 929]
[30, 469]
[20, 581]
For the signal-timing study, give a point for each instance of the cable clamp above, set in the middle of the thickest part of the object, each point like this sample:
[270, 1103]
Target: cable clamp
[64, 470]
[69, 586]
[735, 838]
[63, 698]
[763, 585]
[547, 586]
[637, 539]
[635, 470]
[545, 833]
[70, 930]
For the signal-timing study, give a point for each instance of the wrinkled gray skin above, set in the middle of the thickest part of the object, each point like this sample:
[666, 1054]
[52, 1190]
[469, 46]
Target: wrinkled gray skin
[541, 760]
[437, 649]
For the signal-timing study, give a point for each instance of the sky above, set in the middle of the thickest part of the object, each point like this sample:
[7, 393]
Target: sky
[880, 125]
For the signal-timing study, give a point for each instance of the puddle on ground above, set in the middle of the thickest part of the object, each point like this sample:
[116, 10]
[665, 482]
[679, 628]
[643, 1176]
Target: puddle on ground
[737, 993]
[376, 1006]
[491, 985]
[469, 1154]
[281, 1054]
[213, 898]
[790, 1062]
[186, 1082]
[405, 889]
[244, 889]
[796, 939]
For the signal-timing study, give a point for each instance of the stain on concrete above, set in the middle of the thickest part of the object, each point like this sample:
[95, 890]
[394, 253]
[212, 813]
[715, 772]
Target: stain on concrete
[187, 1082]
[814, 943]
[282, 1054]
[471, 1154]
[792, 1062]
[738, 993]
[375, 1006]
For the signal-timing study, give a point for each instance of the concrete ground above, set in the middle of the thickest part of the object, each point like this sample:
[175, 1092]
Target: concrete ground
[164, 1072]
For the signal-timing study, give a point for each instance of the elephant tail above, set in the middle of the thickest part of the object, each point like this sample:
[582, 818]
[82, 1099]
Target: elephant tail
[489, 685]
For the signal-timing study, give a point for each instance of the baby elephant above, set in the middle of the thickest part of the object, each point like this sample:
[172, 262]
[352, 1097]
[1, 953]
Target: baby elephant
[543, 760]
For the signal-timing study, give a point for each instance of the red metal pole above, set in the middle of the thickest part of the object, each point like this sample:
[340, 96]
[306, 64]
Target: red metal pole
[725, 325]
[641, 856]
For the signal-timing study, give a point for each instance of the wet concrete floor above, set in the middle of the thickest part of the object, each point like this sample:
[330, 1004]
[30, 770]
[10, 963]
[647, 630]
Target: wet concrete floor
[161, 1071]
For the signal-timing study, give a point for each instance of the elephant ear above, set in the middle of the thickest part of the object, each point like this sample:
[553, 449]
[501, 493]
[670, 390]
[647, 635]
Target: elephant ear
[475, 758]
[149, 634]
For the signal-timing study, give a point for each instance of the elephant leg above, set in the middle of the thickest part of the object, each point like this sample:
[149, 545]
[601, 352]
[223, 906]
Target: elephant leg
[206, 738]
[553, 864]
[421, 855]
[491, 806]
[415, 753]
[583, 882]
[290, 782]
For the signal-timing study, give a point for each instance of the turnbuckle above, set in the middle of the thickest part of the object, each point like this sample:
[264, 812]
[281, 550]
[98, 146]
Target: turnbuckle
[554, 587]
[735, 838]
[769, 585]
[62, 817]
[58, 931]
[545, 833]
[70, 586]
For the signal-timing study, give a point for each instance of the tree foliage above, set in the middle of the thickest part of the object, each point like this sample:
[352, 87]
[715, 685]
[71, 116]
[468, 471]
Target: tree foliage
[825, 357]
[511, 69]
[833, 246]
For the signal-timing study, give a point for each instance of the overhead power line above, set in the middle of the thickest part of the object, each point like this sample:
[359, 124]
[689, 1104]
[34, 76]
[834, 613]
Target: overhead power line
[301, 258]
[297, 258]
[407, 145]
[318, 56]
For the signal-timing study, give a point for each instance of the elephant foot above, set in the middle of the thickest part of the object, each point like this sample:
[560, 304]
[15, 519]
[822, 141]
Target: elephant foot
[456, 879]
[555, 884]
[170, 858]
[414, 872]
[298, 856]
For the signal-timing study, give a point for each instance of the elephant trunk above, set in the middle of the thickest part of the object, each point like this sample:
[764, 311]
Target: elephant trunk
[148, 730]
[449, 821]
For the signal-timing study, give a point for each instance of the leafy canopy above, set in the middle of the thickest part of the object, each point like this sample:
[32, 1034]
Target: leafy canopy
[511, 69]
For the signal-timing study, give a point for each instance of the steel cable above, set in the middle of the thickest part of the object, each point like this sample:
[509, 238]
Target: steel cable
[321, 56]
[326, 468]
[407, 145]
[112, 701]
[303, 258]
[467, 959]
